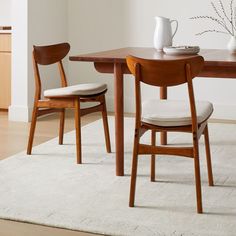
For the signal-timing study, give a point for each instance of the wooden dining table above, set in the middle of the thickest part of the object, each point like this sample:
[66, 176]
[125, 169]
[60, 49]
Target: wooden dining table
[218, 64]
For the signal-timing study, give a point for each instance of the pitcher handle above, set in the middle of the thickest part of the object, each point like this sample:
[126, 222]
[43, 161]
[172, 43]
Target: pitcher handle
[175, 28]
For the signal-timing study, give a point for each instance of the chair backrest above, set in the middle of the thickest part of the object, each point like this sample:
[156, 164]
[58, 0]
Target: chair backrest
[164, 72]
[47, 55]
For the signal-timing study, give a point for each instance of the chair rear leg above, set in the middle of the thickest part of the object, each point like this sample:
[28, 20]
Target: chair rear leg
[32, 130]
[62, 124]
[105, 125]
[134, 170]
[197, 175]
[153, 157]
[78, 131]
[208, 157]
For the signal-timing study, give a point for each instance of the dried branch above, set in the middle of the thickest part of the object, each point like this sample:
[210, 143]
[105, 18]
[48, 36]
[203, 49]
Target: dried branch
[213, 19]
[234, 18]
[228, 23]
[231, 16]
[217, 12]
[211, 31]
[223, 10]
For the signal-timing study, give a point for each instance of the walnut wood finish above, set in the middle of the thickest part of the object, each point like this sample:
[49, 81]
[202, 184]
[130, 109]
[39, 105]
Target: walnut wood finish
[119, 121]
[165, 74]
[153, 156]
[217, 64]
[47, 55]
[163, 95]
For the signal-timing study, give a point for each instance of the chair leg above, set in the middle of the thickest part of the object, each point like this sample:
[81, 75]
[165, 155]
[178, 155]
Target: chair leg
[208, 157]
[105, 125]
[32, 130]
[134, 169]
[62, 124]
[197, 175]
[153, 157]
[78, 131]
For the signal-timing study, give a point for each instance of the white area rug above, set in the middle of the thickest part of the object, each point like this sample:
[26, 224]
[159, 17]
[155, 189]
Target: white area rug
[49, 188]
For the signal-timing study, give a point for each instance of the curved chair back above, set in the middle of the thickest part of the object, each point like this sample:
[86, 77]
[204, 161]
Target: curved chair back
[164, 72]
[46, 55]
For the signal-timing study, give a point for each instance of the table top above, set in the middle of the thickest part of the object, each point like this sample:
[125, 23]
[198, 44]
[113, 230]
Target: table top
[212, 57]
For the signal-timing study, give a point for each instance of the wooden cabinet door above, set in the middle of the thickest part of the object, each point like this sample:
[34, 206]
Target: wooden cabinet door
[5, 42]
[5, 80]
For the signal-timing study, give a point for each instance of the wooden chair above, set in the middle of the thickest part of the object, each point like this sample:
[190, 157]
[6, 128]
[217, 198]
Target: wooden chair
[168, 115]
[57, 100]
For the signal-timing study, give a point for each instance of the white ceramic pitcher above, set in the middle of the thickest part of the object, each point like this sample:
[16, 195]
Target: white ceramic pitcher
[163, 32]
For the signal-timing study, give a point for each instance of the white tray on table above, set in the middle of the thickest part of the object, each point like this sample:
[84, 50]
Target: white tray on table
[181, 50]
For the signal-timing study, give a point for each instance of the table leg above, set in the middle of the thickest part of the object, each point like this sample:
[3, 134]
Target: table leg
[163, 95]
[119, 118]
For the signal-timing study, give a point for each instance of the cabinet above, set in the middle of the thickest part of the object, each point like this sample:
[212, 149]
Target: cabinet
[5, 70]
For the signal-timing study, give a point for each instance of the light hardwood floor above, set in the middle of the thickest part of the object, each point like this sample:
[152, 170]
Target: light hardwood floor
[13, 139]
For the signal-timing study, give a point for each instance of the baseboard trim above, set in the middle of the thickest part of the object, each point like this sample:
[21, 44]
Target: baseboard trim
[221, 111]
[224, 112]
[20, 113]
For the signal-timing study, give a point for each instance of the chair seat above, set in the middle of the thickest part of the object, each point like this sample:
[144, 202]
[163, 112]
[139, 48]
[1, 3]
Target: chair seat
[80, 89]
[168, 113]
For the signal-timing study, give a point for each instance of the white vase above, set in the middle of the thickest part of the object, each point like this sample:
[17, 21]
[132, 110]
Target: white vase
[232, 44]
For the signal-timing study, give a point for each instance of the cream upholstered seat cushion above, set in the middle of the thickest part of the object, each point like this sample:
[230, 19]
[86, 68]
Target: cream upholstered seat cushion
[80, 89]
[173, 113]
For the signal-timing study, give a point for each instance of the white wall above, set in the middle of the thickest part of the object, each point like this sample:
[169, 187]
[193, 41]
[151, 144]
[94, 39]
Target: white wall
[47, 24]
[19, 81]
[93, 26]
[5, 12]
[34, 23]
[105, 24]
